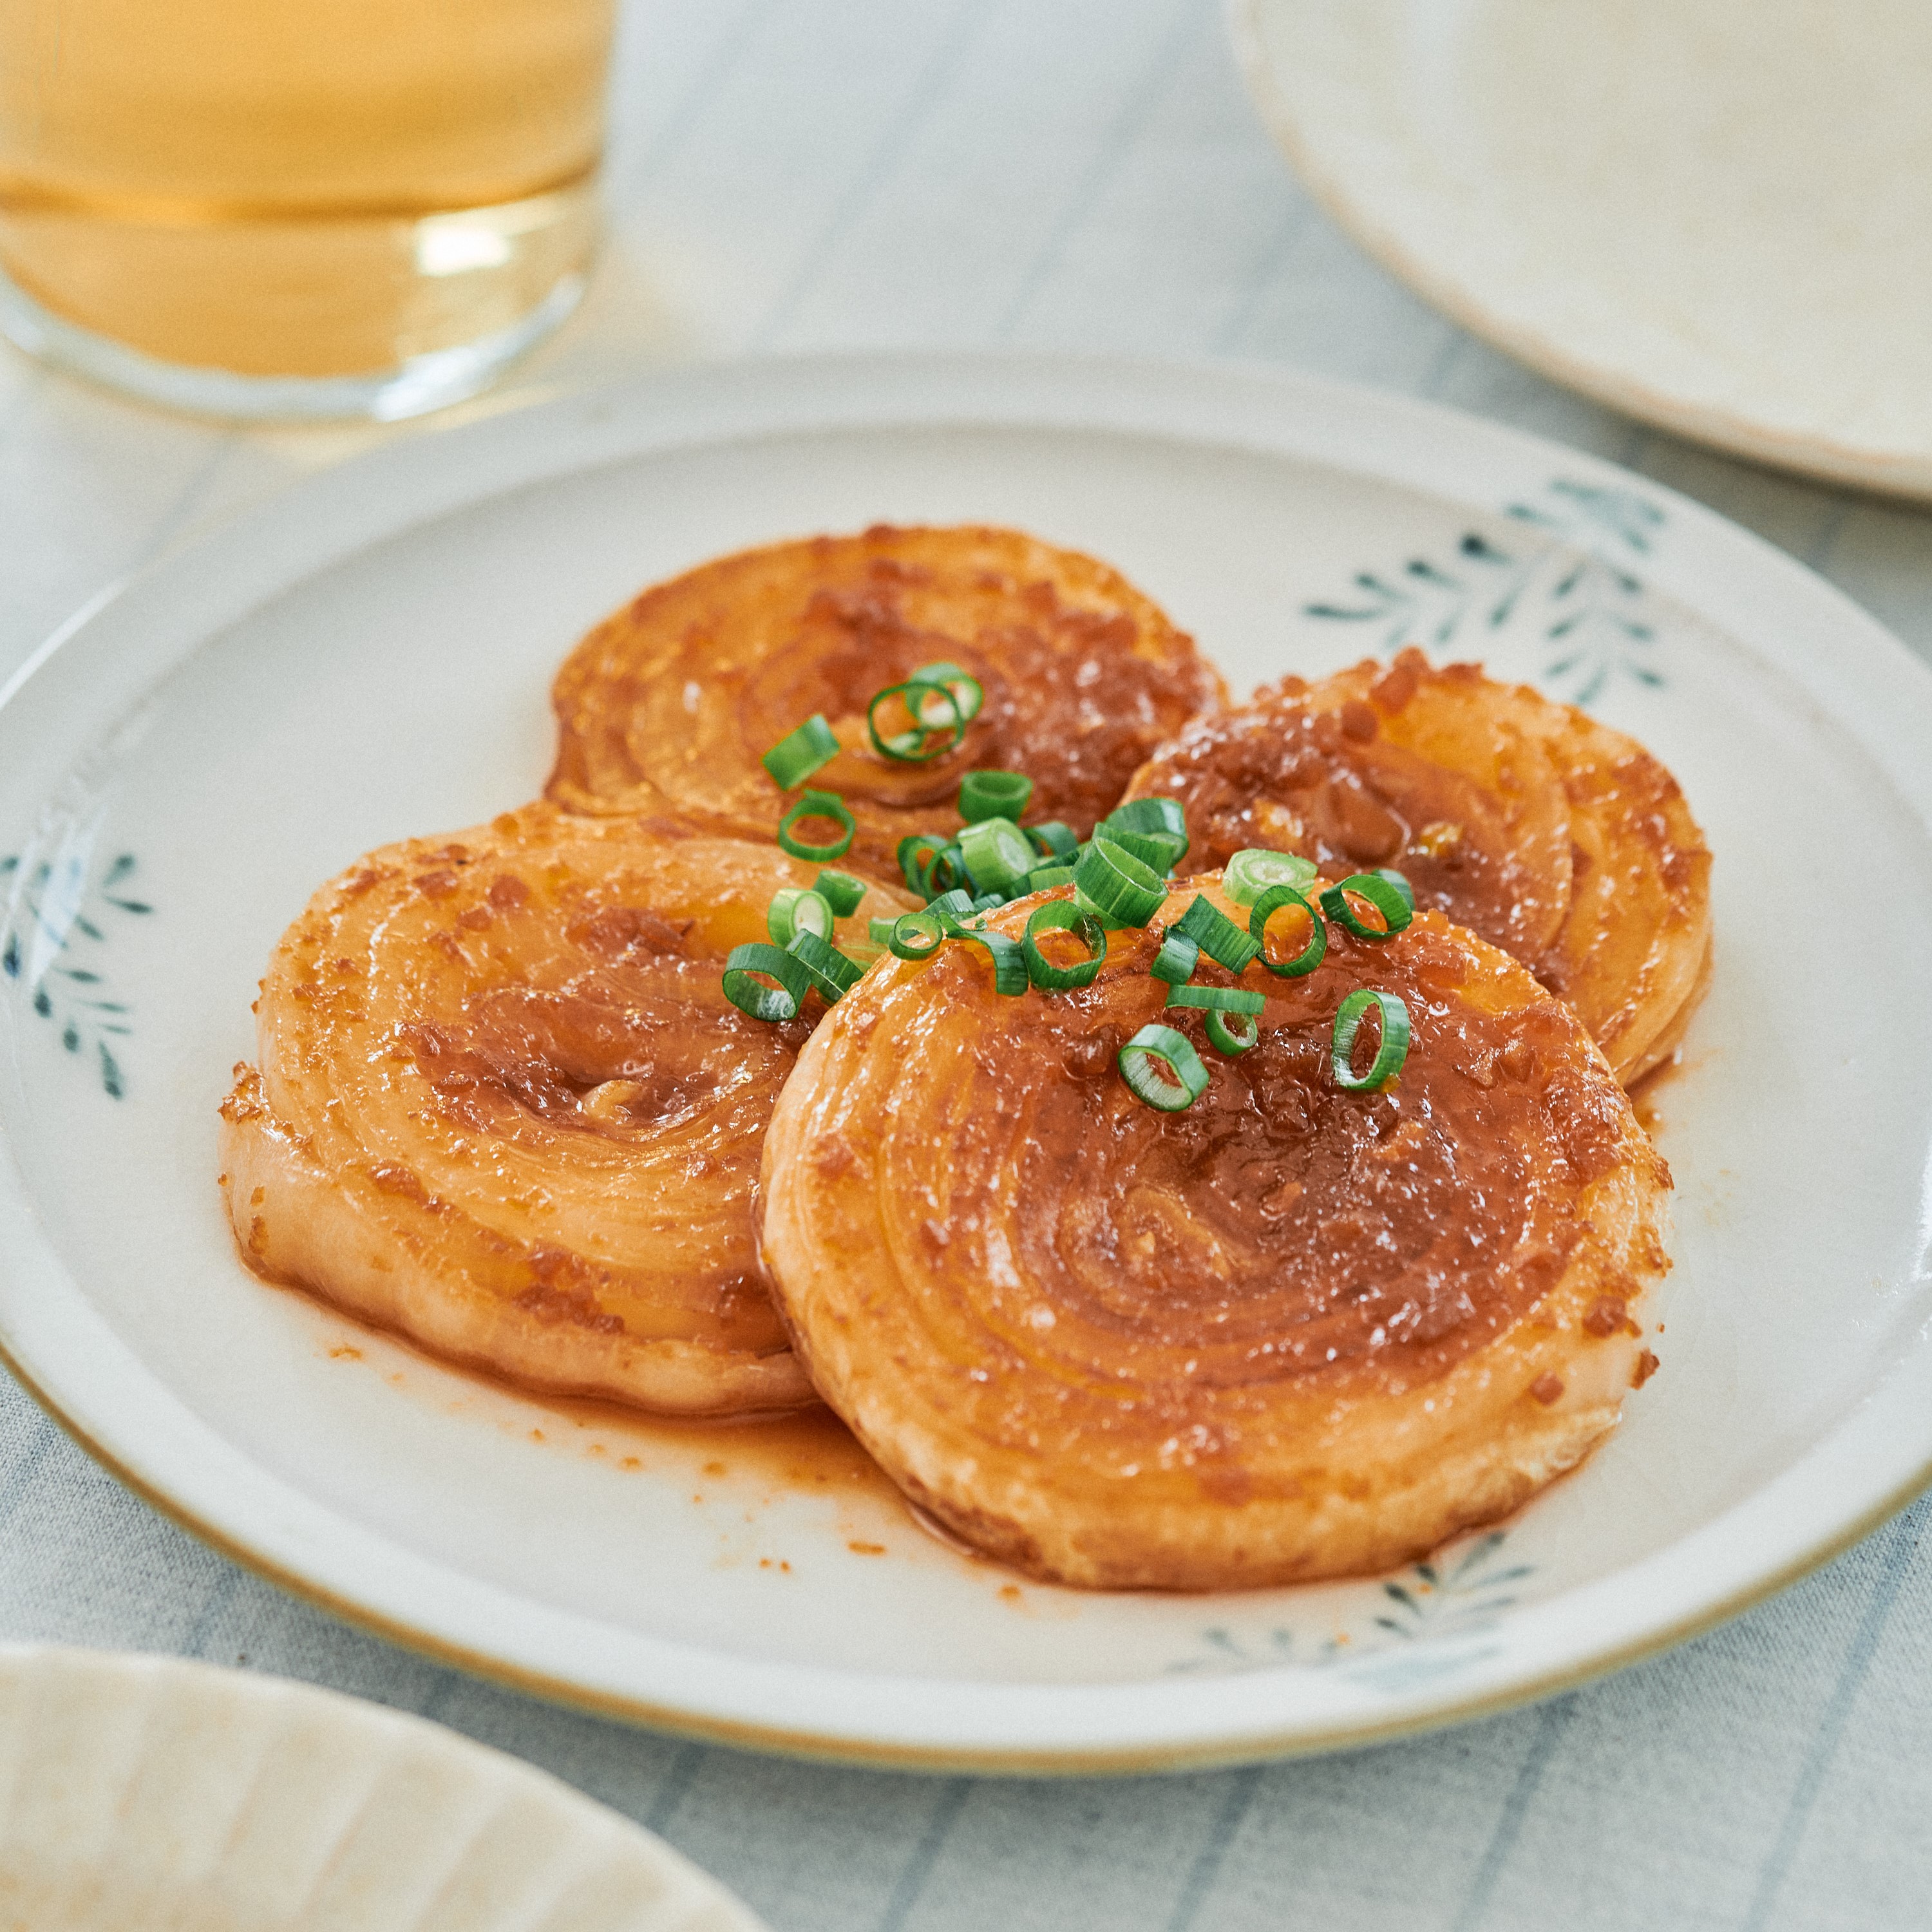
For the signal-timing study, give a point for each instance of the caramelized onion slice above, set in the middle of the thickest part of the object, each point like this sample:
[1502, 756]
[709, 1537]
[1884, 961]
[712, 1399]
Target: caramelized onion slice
[503, 1106]
[1550, 835]
[671, 703]
[1290, 1332]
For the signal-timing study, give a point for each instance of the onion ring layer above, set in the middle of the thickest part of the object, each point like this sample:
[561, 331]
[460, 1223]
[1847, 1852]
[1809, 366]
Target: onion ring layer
[1560, 841]
[670, 704]
[504, 1107]
[1290, 1332]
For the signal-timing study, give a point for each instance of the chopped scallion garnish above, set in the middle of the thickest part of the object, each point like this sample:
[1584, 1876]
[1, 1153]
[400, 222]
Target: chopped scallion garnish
[797, 756]
[1389, 1055]
[1156, 850]
[1248, 874]
[994, 795]
[831, 971]
[912, 935]
[1217, 935]
[795, 911]
[960, 686]
[1311, 956]
[818, 805]
[840, 892]
[1044, 878]
[997, 855]
[1161, 1067]
[1387, 892]
[917, 852]
[1176, 960]
[1054, 840]
[934, 725]
[1217, 999]
[1232, 1034]
[1063, 916]
[749, 994]
[1118, 886]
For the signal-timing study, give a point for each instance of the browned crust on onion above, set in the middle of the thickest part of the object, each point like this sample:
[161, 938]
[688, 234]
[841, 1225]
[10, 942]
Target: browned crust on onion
[471, 1124]
[1607, 897]
[1106, 1461]
[671, 703]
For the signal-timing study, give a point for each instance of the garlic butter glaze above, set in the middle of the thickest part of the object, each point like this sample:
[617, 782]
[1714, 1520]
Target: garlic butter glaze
[503, 1105]
[1291, 1332]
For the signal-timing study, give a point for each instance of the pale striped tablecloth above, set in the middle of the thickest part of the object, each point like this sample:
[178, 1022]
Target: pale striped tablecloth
[1086, 173]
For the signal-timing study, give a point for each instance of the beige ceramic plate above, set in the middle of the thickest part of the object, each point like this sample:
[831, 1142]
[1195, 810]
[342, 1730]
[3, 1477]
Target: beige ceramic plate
[1714, 216]
[142, 1794]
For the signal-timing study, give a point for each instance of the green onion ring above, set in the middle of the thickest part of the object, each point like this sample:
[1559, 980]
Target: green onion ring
[1175, 962]
[913, 849]
[1248, 874]
[997, 855]
[1400, 884]
[989, 901]
[991, 794]
[831, 971]
[964, 689]
[819, 805]
[1389, 1056]
[1009, 966]
[914, 747]
[1217, 935]
[1055, 840]
[912, 935]
[795, 910]
[1118, 886]
[944, 872]
[795, 757]
[1044, 878]
[1217, 999]
[1063, 916]
[1184, 1080]
[749, 995]
[954, 906]
[1397, 904]
[1233, 1036]
[880, 930]
[1151, 815]
[1156, 850]
[840, 892]
[1311, 956]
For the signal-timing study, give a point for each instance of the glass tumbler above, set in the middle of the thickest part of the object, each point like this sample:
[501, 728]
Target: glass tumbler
[290, 209]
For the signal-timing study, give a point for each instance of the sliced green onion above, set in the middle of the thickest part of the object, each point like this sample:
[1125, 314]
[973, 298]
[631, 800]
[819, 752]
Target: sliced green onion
[1150, 814]
[955, 905]
[1054, 840]
[1217, 935]
[912, 935]
[962, 687]
[994, 795]
[1233, 1036]
[880, 930]
[797, 755]
[1389, 1056]
[1117, 885]
[997, 855]
[1395, 902]
[918, 848]
[1177, 959]
[1156, 850]
[1161, 1067]
[945, 873]
[1401, 884]
[831, 971]
[1250, 874]
[840, 892]
[1063, 916]
[937, 726]
[989, 901]
[1217, 999]
[1044, 878]
[749, 994]
[818, 805]
[1311, 956]
[795, 910]
[1010, 966]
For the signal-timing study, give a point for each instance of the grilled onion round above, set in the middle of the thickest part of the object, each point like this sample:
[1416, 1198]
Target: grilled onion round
[1291, 1332]
[1560, 841]
[503, 1106]
[671, 703]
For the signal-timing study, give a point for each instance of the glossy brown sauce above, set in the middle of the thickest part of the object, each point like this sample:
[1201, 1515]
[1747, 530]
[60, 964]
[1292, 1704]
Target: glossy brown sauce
[1280, 1226]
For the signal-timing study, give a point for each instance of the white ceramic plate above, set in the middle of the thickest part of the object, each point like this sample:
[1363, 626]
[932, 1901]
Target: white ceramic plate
[144, 1794]
[369, 657]
[1712, 216]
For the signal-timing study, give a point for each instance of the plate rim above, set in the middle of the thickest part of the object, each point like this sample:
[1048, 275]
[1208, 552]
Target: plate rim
[857, 392]
[1905, 475]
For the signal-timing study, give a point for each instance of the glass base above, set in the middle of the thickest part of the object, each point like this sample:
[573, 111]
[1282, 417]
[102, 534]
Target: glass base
[430, 381]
